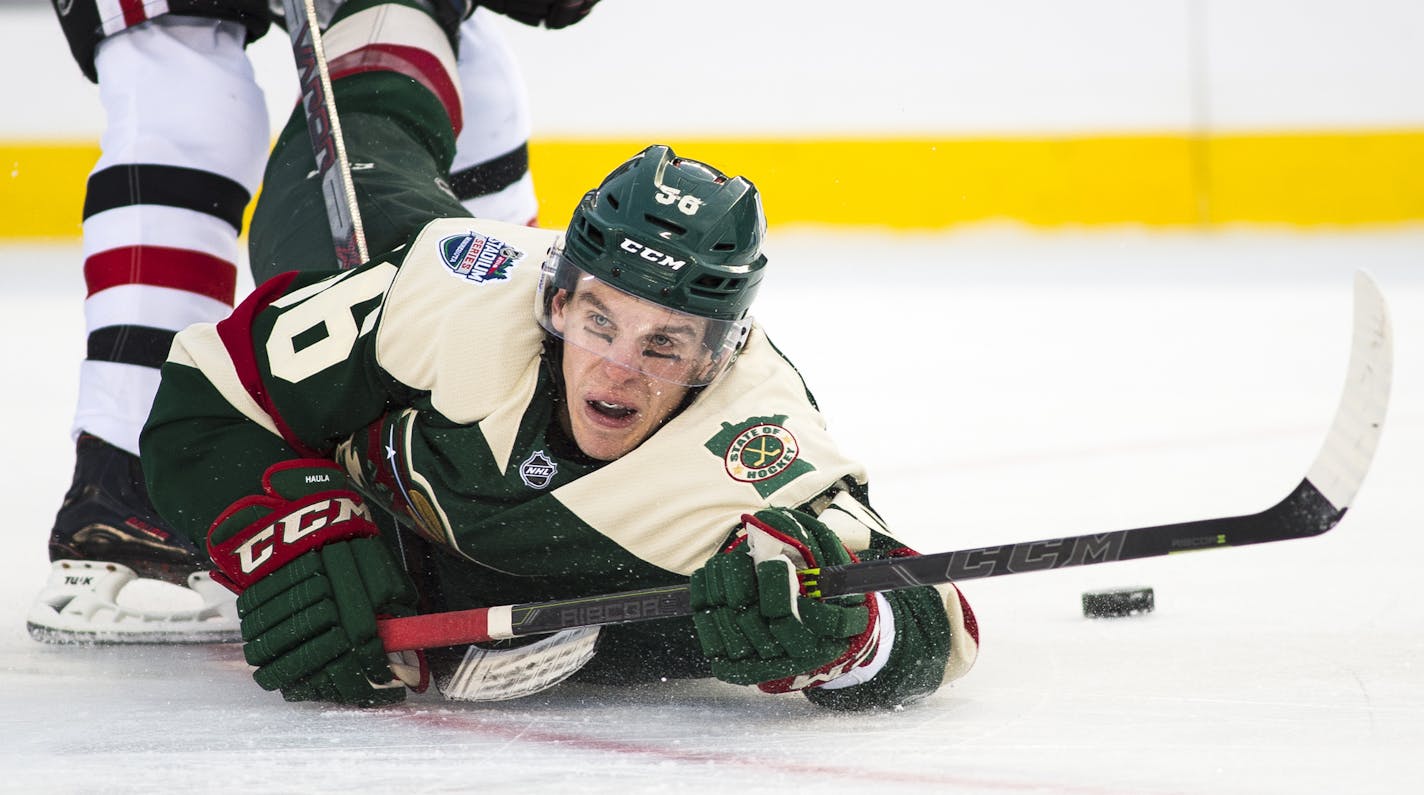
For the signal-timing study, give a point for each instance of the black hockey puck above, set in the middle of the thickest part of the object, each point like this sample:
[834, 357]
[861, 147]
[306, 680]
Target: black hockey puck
[1117, 602]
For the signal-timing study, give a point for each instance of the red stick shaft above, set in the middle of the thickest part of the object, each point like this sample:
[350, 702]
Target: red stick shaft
[432, 630]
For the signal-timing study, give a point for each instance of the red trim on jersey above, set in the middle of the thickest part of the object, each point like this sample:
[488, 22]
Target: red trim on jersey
[235, 331]
[418, 64]
[971, 624]
[133, 12]
[384, 468]
[159, 266]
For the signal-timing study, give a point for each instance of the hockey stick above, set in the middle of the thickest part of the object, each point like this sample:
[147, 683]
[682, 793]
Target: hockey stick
[1312, 508]
[329, 147]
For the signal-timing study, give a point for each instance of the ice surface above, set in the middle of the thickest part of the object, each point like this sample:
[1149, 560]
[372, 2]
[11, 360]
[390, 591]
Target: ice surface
[1002, 386]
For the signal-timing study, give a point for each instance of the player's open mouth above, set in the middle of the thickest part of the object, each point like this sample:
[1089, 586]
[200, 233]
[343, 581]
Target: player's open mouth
[613, 413]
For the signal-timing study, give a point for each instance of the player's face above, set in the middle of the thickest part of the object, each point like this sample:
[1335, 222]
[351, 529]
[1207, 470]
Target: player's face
[622, 361]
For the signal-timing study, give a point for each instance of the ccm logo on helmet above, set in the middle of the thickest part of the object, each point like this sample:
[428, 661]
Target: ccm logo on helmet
[294, 527]
[651, 254]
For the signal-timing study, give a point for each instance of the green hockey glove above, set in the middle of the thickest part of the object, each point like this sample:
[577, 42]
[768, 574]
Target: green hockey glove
[313, 574]
[754, 621]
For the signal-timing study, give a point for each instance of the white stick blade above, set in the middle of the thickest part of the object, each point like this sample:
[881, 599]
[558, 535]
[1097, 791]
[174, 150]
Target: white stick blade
[1340, 467]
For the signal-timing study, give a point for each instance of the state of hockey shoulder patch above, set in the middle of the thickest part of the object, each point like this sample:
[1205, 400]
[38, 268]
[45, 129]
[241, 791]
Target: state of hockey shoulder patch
[758, 450]
[478, 258]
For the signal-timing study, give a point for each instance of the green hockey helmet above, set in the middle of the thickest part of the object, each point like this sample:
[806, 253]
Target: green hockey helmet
[674, 231]
[670, 232]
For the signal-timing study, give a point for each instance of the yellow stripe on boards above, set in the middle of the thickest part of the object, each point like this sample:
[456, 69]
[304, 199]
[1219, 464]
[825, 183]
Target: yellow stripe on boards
[1339, 179]
[915, 184]
[42, 188]
[1306, 179]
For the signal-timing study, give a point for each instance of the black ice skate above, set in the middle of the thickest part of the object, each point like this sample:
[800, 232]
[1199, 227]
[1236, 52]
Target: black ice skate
[118, 573]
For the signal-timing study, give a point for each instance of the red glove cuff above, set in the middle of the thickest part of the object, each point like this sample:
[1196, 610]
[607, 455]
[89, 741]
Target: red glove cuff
[861, 651]
[291, 528]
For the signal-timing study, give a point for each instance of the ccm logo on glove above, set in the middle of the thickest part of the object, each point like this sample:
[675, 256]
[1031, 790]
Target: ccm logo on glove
[264, 532]
[259, 547]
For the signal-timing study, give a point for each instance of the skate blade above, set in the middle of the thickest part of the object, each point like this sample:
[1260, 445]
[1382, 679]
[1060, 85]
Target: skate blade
[82, 604]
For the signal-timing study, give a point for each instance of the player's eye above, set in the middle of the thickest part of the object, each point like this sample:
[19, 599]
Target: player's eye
[661, 346]
[600, 325]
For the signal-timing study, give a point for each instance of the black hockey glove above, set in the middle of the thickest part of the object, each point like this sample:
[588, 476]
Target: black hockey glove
[552, 14]
[754, 621]
[313, 574]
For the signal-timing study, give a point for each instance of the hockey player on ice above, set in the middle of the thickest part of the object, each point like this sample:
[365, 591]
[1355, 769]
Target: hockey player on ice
[552, 415]
[183, 151]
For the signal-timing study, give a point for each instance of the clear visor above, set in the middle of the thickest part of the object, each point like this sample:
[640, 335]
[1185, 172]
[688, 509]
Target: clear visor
[632, 332]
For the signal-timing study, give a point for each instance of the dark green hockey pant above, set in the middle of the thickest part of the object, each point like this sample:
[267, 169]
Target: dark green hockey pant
[400, 144]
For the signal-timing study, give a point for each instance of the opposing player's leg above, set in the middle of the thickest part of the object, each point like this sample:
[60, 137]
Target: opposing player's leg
[490, 174]
[182, 150]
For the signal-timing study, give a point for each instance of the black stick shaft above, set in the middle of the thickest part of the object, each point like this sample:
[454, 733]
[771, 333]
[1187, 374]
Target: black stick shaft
[324, 126]
[1303, 514]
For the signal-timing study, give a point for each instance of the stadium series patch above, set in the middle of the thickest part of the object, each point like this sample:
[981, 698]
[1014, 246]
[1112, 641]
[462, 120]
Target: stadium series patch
[757, 450]
[478, 258]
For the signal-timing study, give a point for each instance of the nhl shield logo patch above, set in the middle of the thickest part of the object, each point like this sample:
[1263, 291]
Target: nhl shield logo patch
[538, 470]
[478, 258]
